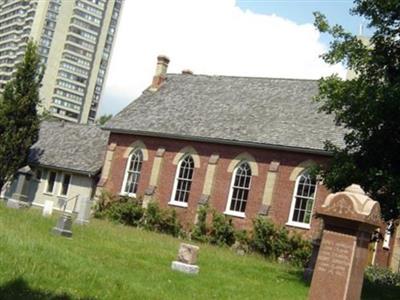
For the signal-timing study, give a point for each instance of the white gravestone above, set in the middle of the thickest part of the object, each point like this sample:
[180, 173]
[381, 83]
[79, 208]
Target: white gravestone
[47, 208]
[84, 210]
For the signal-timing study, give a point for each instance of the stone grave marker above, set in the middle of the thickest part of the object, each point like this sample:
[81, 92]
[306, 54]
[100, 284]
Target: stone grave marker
[84, 210]
[349, 217]
[187, 259]
[47, 208]
[19, 199]
[64, 226]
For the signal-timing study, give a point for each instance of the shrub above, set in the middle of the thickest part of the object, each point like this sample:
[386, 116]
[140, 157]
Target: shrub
[164, 221]
[102, 203]
[299, 250]
[266, 239]
[242, 237]
[242, 244]
[222, 231]
[152, 217]
[263, 237]
[382, 276]
[126, 210]
[170, 223]
[199, 232]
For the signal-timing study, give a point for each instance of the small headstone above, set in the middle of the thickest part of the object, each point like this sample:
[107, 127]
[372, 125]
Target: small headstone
[186, 260]
[64, 226]
[84, 210]
[47, 208]
[188, 254]
[17, 204]
[11, 203]
[19, 198]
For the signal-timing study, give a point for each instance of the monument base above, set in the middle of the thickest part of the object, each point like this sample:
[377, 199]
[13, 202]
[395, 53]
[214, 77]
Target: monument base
[81, 222]
[185, 268]
[17, 204]
[62, 232]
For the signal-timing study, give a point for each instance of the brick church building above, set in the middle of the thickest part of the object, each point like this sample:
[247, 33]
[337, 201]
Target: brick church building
[241, 144]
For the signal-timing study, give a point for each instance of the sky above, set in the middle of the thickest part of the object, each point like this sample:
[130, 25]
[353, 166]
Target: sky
[262, 38]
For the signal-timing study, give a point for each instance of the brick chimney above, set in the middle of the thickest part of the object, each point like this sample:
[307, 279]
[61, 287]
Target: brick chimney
[187, 72]
[161, 72]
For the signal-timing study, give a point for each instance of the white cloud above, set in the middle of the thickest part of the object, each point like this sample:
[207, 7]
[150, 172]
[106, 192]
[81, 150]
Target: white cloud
[208, 37]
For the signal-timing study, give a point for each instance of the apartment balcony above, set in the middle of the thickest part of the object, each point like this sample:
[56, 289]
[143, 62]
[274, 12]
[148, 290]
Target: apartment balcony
[66, 98]
[77, 64]
[77, 54]
[86, 20]
[83, 37]
[69, 89]
[64, 117]
[10, 18]
[98, 6]
[6, 64]
[86, 76]
[5, 6]
[93, 14]
[76, 111]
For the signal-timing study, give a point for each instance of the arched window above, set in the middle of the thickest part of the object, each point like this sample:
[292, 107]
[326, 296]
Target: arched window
[183, 181]
[303, 200]
[240, 188]
[132, 173]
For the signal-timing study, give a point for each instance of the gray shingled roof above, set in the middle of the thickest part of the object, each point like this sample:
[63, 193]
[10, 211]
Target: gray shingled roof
[75, 147]
[259, 111]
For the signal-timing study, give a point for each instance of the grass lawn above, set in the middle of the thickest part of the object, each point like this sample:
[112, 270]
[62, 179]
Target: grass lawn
[107, 261]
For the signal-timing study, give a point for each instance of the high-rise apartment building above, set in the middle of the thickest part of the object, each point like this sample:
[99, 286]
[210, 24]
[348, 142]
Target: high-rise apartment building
[75, 39]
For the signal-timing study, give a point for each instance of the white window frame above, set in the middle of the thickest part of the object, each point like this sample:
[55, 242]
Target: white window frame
[126, 175]
[175, 186]
[47, 182]
[61, 185]
[290, 221]
[228, 211]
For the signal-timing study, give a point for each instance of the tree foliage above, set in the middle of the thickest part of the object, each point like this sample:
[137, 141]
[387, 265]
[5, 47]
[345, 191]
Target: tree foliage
[103, 119]
[19, 121]
[367, 106]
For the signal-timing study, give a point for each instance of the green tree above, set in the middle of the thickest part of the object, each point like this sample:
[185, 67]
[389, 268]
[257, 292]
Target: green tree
[103, 119]
[367, 106]
[19, 121]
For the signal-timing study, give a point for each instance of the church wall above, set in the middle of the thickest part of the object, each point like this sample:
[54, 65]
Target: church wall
[282, 191]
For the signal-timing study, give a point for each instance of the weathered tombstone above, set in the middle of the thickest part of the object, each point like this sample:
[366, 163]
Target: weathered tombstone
[349, 219]
[20, 198]
[64, 226]
[84, 210]
[47, 208]
[186, 260]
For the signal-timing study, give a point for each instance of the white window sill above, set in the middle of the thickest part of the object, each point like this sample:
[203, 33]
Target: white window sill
[48, 193]
[299, 225]
[235, 214]
[177, 203]
[123, 194]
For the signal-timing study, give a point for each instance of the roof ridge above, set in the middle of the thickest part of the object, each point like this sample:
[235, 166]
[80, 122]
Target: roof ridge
[243, 77]
[66, 123]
